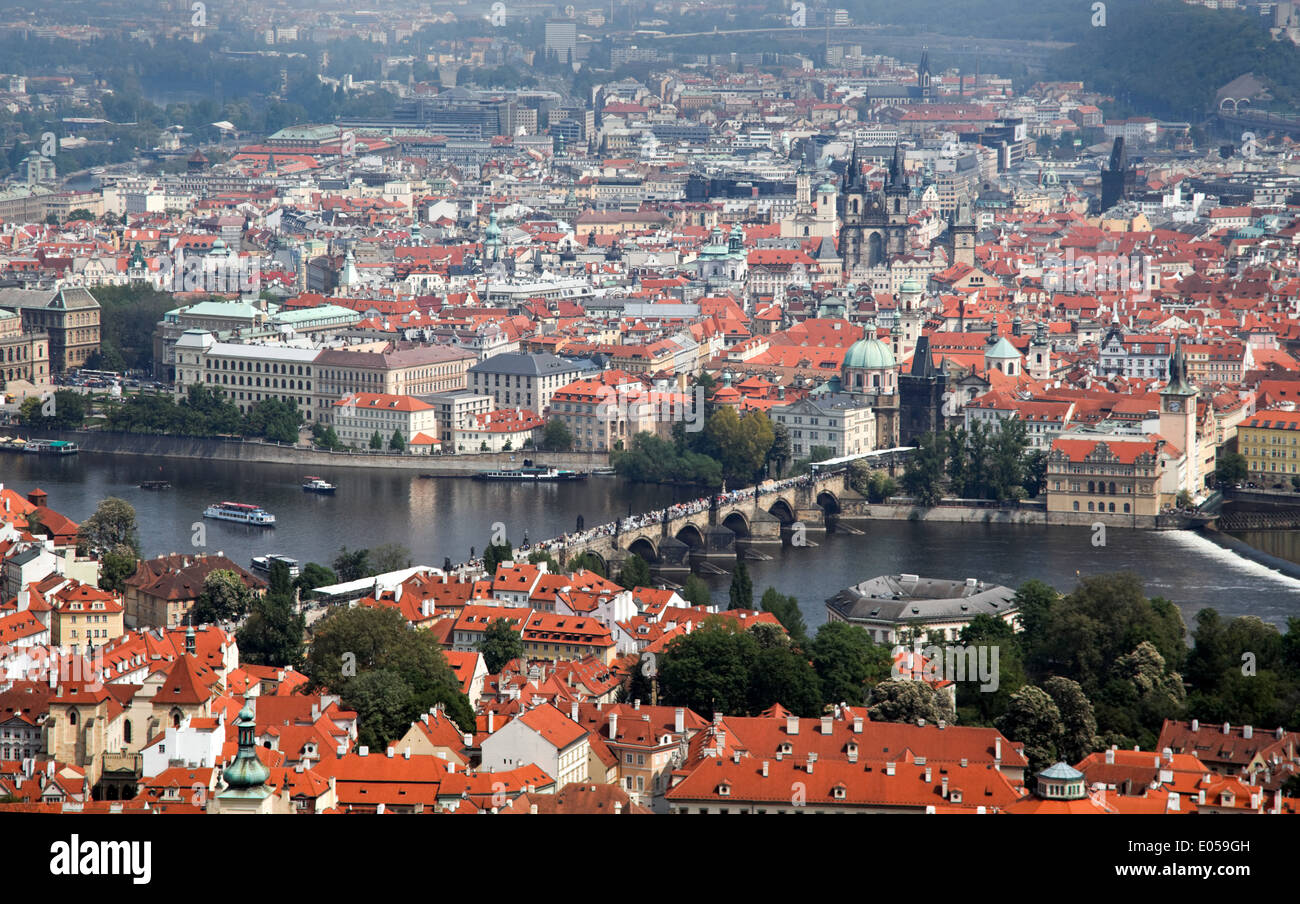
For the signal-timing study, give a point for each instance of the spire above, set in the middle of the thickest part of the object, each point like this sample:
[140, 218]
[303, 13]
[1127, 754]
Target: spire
[190, 646]
[247, 772]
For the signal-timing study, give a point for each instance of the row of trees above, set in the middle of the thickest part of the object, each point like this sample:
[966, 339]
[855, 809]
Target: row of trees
[740, 450]
[980, 463]
[204, 411]
[1106, 665]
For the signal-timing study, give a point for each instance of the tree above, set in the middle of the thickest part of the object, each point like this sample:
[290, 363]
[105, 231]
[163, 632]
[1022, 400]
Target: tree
[556, 436]
[273, 419]
[224, 598]
[1032, 718]
[1231, 468]
[924, 470]
[396, 443]
[696, 591]
[376, 441]
[742, 588]
[908, 701]
[390, 557]
[273, 633]
[786, 610]
[634, 573]
[312, 576]
[500, 644]
[353, 565]
[847, 661]
[538, 556]
[708, 670]
[587, 561]
[111, 527]
[351, 643]
[115, 566]
[1078, 722]
[495, 554]
[782, 675]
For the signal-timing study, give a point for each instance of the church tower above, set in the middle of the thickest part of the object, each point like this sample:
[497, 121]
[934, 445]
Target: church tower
[962, 231]
[923, 77]
[1178, 415]
[1040, 354]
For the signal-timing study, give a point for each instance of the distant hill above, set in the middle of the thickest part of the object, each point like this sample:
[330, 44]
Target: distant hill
[1162, 57]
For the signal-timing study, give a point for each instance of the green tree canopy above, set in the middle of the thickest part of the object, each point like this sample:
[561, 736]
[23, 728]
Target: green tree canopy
[500, 644]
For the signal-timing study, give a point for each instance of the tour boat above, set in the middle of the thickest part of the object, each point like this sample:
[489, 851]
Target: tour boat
[531, 474]
[155, 485]
[51, 447]
[241, 513]
[316, 485]
[264, 563]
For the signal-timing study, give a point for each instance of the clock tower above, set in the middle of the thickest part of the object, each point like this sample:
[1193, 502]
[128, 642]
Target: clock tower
[1178, 414]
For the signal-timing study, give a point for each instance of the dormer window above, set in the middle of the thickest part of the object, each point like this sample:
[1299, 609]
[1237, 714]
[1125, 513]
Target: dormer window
[840, 792]
[724, 790]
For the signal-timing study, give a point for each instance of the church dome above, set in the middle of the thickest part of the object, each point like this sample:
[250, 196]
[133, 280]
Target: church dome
[870, 354]
[826, 189]
[1002, 350]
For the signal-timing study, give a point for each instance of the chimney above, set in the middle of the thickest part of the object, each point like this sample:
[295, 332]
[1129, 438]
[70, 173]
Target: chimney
[636, 704]
[1196, 725]
[490, 721]
[792, 725]
[573, 710]
[1110, 757]
[811, 760]
[735, 756]
[613, 725]
[764, 768]
[532, 809]
[927, 775]
[618, 807]
[406, 754]
[857, 725]
[943, 786]
[827, 727]
[889, 769]
[363, 750]
[390, 753]
[1246, 731]
[1227, 728]
[679, 720]
[997, 749]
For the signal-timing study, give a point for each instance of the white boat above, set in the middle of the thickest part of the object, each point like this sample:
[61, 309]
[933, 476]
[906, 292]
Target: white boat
[316, 485]
[264, 563]
[240, 513]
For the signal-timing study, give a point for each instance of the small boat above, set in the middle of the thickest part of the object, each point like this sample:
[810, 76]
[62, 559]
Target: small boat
[603, 472]
[51, 447]
[240, 513]
[316, 485]
[531, 475]
[264, 563]
[155, 485]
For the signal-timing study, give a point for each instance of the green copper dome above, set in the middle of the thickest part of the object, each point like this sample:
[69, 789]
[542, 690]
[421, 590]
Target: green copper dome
[911, 286]
[247, 771]
[1002, 350]
[871, 354]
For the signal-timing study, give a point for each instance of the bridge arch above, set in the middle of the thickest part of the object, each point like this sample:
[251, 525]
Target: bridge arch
[737, 522]
[591, 551]
[645, 548]
[691, 535]
[829, 502]
[782, 511]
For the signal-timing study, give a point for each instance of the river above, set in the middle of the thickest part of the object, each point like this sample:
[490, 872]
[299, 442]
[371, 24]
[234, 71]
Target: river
[443, 517]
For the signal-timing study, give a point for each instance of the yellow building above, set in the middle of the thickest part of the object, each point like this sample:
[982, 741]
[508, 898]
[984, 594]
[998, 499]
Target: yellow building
[1270, 442]
[85, 617]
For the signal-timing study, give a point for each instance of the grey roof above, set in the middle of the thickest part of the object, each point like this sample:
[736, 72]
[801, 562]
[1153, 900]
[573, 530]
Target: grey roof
[911, 598]
[64, 299]
[521, 364]
[1061, 772]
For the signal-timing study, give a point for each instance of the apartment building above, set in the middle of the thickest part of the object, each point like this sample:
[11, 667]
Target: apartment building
[1270, 442]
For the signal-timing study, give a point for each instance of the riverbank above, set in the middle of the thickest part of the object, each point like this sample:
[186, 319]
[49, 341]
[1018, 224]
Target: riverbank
[257, 451]
[1033, 512]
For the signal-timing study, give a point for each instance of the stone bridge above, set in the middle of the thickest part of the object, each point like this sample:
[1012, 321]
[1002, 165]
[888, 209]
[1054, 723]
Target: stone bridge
[755, 516]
